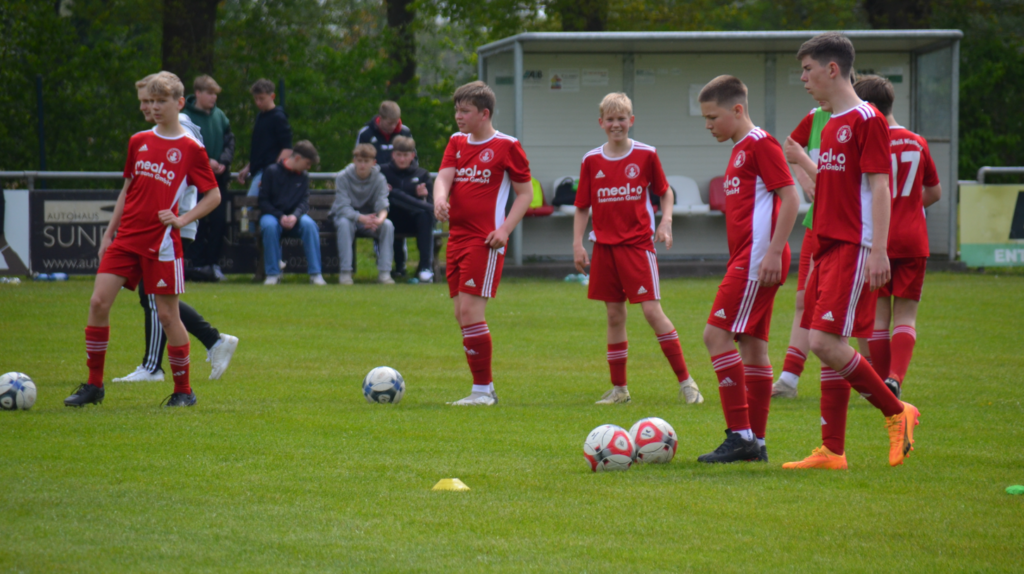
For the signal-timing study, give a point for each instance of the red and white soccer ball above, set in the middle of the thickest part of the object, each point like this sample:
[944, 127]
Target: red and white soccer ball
[608, 447]
[654, 439]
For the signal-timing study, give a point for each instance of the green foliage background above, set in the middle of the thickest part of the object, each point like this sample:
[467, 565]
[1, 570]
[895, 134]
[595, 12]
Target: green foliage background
[332, 56]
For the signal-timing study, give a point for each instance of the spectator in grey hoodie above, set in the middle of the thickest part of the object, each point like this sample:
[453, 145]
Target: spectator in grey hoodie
[361, 207]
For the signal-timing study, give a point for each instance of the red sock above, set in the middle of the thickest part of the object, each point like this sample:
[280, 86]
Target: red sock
[903, 339]
[617, 354]
[732, 389]
[835, 400]
[96, 339]
[878, 343]
[178, 359]
[795, 359]
[674, 353]
[476, 340]
[866, 381]
[758, 379]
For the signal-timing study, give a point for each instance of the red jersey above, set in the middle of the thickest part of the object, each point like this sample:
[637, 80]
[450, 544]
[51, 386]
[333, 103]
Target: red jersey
[853, 144]
[484, 172]
[757, 167]
[802, 134]
[617, 189]
[912, 171]
[160, 168]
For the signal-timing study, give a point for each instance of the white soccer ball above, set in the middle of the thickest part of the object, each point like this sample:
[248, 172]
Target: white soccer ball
[383, 385]
[17, 391]
[608, 447]
[655, 440]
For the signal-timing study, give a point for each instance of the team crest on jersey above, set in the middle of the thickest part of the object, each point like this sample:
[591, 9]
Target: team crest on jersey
[632, 171]
[174, 155]
[844, 135]
[487, 155]
[740, 158]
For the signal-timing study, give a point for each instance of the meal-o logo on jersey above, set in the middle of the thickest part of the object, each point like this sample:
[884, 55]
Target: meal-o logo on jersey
[831, 161]
[740, 158]
[473, 174]
[155, 171]
[174, 155]
[624, 193]
[844, 135]
[486, 155]
[632, 171]
[732, 185]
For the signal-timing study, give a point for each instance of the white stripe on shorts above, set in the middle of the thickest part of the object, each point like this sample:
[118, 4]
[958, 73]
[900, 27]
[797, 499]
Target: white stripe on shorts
[652, 261]
[746, 306]
[858, 287]
[492, 264]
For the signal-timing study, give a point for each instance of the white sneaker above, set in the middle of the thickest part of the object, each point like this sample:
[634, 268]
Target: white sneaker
[220, 355]
[317, 279]
[384, 278]
[142, 375]
[615, 395]
[345, 278]
[477, 399]
[780, 390]
[272, 280]
[426, 276]
[689, 392]
[282, 264]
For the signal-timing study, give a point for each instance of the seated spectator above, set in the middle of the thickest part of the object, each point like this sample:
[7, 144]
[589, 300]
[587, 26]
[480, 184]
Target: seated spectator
[379, 131]
[361, 206]
[412, 205]
[284, 203]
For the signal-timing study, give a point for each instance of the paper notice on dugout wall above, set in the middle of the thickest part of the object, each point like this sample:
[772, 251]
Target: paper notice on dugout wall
[565, 80]
[595, 77]
[694, 99]
[644, 77]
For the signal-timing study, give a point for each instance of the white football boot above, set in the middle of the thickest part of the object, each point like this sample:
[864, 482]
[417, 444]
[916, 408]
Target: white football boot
[783, 390]
[689, 392]
[219, 356]
[142, 375]
[615, 395]
[272, 280]
[477, 399]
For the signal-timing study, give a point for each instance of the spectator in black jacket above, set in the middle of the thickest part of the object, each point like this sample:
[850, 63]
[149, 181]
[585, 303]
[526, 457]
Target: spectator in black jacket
[271, 136]
[379, 131]
[412, 205]
[284, 204]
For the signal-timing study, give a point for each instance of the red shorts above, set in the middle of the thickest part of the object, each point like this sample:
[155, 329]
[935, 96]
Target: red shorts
[621, 272]
[474, 268]
[743, 307]
[158, 277]
[837, 299]
[807, 249]
[907, 278]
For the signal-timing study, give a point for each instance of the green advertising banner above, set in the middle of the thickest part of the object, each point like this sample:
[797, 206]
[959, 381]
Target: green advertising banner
[992, 225]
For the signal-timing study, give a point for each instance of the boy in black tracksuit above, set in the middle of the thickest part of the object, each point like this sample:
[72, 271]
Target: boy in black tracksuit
[412, 205]
[382, 129]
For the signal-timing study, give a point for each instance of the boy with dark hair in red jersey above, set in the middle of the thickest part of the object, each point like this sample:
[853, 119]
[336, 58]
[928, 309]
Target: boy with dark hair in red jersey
[615, 181]
[851, 223]
[479, 168]
[761, 204]
[162, 163]
[915, 186]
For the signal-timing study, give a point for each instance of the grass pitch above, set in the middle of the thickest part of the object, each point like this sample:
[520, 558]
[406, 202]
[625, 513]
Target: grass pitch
[283, 466]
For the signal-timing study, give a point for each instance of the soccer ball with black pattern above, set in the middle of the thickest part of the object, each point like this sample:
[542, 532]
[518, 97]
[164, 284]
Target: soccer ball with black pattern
[383, 385]
[17, 392]
[655, 440]
[608, 447]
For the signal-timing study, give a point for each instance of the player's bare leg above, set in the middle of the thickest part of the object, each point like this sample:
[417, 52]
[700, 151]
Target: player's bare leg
[470, 313]
[796, 355]
[904, 337]
[618, 352]
[669, 341]
[97, 334]
[177, 350]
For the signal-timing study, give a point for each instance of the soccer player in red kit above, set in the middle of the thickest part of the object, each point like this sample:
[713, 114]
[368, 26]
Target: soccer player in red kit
[479, 168]
[761, 205]
[615, 181]
[851, 223]
[162, 163]
[915, 186]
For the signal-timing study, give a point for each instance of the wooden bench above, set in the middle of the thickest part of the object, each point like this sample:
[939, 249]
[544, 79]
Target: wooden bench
[244, 208]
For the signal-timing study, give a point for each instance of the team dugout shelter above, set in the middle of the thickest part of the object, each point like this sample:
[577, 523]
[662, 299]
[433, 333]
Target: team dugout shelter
[549, 85]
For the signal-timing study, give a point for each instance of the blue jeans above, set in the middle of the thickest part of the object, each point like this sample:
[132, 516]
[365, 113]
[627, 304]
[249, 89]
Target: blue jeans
[254, 187]
[272, 231]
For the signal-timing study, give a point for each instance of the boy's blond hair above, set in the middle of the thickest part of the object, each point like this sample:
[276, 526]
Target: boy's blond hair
[144, 81]
[616, 102]
[404, 144]
[206, 84]
[724, 91]
[364, 151]
[164, 85]
[389, 110]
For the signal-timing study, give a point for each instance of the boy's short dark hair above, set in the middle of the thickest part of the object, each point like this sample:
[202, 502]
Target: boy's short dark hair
[724, 91]
[389, 110]
[877, 91]
[364, 151]
[477, 94]
[403, 144]
[305, 149]
[830, 47]
[262, 86]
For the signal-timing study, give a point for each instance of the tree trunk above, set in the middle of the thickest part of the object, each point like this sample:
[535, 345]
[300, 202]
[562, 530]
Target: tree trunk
[898, 14]
[582, 15]
[401, 14]
[188, 30]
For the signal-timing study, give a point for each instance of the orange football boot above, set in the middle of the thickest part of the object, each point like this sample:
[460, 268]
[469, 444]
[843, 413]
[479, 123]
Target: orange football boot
[821, 457]
[901, 433]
